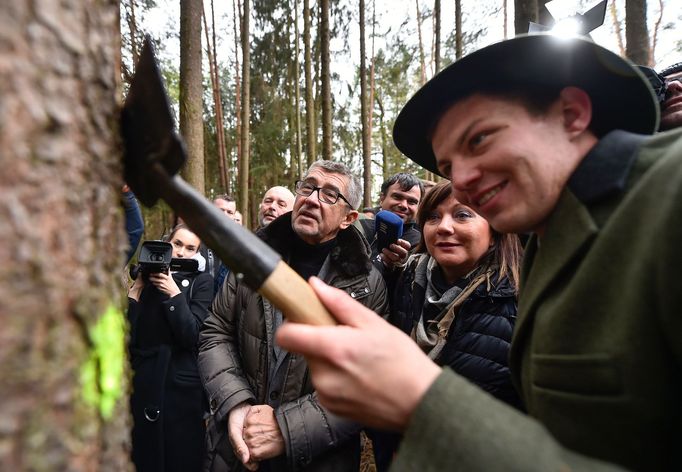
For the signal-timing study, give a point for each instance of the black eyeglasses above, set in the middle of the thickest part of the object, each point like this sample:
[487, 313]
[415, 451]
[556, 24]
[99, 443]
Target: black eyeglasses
[325, 195]
[658, 82]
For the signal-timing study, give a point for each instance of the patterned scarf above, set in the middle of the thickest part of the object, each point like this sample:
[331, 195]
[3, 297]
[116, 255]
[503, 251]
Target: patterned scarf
[431, 335]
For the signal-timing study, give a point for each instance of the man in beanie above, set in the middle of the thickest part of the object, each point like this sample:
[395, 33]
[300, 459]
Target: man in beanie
[550, 136]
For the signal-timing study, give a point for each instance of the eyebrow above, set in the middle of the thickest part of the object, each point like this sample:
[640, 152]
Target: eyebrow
[467, 130]
[314, 182]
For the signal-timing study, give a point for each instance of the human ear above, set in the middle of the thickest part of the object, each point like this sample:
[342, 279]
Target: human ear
[349, 219]
[576, 107]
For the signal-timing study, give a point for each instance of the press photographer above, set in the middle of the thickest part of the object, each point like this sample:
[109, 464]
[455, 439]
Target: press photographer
[167, 306]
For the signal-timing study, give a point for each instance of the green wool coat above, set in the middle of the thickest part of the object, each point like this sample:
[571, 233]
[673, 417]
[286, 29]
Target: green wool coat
[597, 348]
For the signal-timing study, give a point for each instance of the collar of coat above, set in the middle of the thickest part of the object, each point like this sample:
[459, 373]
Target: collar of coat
[605, 169]
[350, 256]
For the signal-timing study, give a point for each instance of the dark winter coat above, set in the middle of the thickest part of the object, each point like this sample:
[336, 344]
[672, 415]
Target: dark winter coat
[236, 355]
[477, 343]
[167, 400]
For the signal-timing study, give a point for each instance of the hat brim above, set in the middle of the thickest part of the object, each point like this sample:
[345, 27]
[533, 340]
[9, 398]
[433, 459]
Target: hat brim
[621, 96]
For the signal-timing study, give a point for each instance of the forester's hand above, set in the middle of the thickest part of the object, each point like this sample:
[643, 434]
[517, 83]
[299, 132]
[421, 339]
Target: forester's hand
[364, 369]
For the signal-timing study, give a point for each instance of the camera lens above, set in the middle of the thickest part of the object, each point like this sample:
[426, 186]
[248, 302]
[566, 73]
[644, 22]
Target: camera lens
[156, 257]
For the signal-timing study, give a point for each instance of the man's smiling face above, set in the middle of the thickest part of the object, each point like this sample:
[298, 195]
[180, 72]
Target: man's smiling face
[507, 164]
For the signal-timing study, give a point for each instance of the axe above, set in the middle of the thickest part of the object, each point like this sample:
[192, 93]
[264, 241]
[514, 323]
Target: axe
[154, 153]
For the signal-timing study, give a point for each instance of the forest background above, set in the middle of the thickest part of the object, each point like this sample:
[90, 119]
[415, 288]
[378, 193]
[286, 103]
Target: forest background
[327, 78]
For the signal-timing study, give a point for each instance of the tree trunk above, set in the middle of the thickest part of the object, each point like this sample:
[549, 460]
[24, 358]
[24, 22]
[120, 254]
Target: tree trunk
[657, 27]
[422, 59]
[325, 60]
[237, 13]
[311, 129]
[132, 26]
[370, 101]
[62, 356]
[524, 11]
[636, 34]
[617, 28]
[217, 101]
[191, 92]
[458, 27]
[384, 138]
[436, 36]
[246, 117]
[297, 93]
[366, 156]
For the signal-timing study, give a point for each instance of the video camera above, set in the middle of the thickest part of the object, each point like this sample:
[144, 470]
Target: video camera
[156, 257]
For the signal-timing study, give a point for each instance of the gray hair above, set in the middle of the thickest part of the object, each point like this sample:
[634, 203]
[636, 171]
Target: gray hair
[353, 189]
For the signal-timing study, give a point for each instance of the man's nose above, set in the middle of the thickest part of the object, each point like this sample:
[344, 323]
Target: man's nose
[464, 176]
[673, 87]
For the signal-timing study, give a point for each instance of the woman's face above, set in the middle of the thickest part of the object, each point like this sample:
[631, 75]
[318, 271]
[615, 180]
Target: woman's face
[456, 237]
[185, 244]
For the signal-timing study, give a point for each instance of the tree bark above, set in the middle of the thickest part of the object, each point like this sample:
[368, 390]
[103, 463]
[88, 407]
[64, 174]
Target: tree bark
[297, 93]
[422, 59]
[636, 33]
[458, 27]
[325, 60]
[366, 156]
[524, 11]
[657, 27]
[237, 13]
[246, 117]
[436, 36]
[64, 404]
[311, 129]
[617, 28]
[217, 101]
[191, 92]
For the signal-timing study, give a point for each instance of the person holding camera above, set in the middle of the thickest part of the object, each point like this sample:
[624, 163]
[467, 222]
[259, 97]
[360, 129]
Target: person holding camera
[166, 310]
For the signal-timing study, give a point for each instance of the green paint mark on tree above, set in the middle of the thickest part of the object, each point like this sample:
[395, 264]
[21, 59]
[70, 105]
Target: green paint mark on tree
[102, 374]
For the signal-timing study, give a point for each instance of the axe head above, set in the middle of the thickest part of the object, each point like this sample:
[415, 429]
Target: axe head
[148, 129]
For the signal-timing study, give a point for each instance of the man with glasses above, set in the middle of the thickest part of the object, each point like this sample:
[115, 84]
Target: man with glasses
[264, 412]
[668, 89]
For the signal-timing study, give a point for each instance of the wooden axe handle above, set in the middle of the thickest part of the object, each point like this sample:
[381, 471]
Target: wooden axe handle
[297, 300]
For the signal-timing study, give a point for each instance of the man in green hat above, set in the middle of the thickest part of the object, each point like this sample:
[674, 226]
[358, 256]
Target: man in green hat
[550, 136]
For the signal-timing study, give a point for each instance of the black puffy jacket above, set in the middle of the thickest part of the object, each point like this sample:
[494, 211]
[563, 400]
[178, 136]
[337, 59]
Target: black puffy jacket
[236, 356]
[478, 341]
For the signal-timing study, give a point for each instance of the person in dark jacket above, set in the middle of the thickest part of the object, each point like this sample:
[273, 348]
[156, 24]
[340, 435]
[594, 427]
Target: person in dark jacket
[456, 297]
[400, 194]
[167, 401]
[264, 411]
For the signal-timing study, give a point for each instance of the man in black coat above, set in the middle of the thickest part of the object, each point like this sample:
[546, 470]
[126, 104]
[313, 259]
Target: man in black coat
[264, 411]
